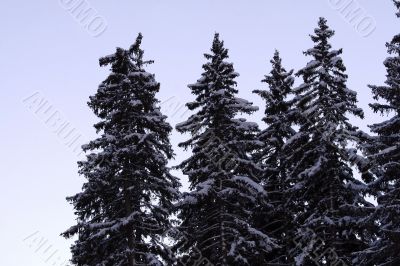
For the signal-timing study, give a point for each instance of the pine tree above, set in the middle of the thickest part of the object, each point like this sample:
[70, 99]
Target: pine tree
[126, 202]
[397, 4]
[384, 152]
[325, 195]
[273, 218]
[217, 213]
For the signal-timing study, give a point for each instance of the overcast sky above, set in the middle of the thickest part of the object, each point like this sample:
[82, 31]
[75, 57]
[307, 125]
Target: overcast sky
[50, 51]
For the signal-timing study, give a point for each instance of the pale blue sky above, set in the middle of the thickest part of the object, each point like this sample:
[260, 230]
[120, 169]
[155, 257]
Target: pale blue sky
[46, 51]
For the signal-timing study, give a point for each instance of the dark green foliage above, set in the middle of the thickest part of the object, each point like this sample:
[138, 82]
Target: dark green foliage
[125, 205]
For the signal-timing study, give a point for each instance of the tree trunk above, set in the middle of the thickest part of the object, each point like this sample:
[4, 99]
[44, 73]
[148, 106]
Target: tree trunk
[130, 234]
[222, 231]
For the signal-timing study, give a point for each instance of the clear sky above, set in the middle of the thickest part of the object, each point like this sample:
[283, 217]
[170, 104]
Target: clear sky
[50, 53]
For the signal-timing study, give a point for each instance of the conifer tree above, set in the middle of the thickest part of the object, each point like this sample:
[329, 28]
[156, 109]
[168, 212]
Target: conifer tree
[326, 198]
[384, 151]
[397, 4]
[126, 202]
[217, 213]
[273, 217]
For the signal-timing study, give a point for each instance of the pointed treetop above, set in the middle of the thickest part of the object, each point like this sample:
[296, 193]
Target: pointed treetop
[138, 52]
[218, 48]
[321, 37]
[218, 45]
[324, 28]
[277, 72]
[322, 22]
[135, 48]
[123, 61]
[280, 84]
[276, 60]
[323, 32]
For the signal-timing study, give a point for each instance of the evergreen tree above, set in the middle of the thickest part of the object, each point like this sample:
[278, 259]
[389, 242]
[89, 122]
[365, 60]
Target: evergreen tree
[384, 152]
[273, 218]
[125, 204]
[326, 198]
[217, 213]
[397, 4]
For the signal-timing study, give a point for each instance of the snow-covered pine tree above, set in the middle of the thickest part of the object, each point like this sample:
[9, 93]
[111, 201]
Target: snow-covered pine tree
[397, 4]
[384, 152]
[217, 213]
[125, 204]
[325, 195]
[273, 217]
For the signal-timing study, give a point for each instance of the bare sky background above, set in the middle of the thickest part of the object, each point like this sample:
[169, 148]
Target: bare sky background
[51, 54]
